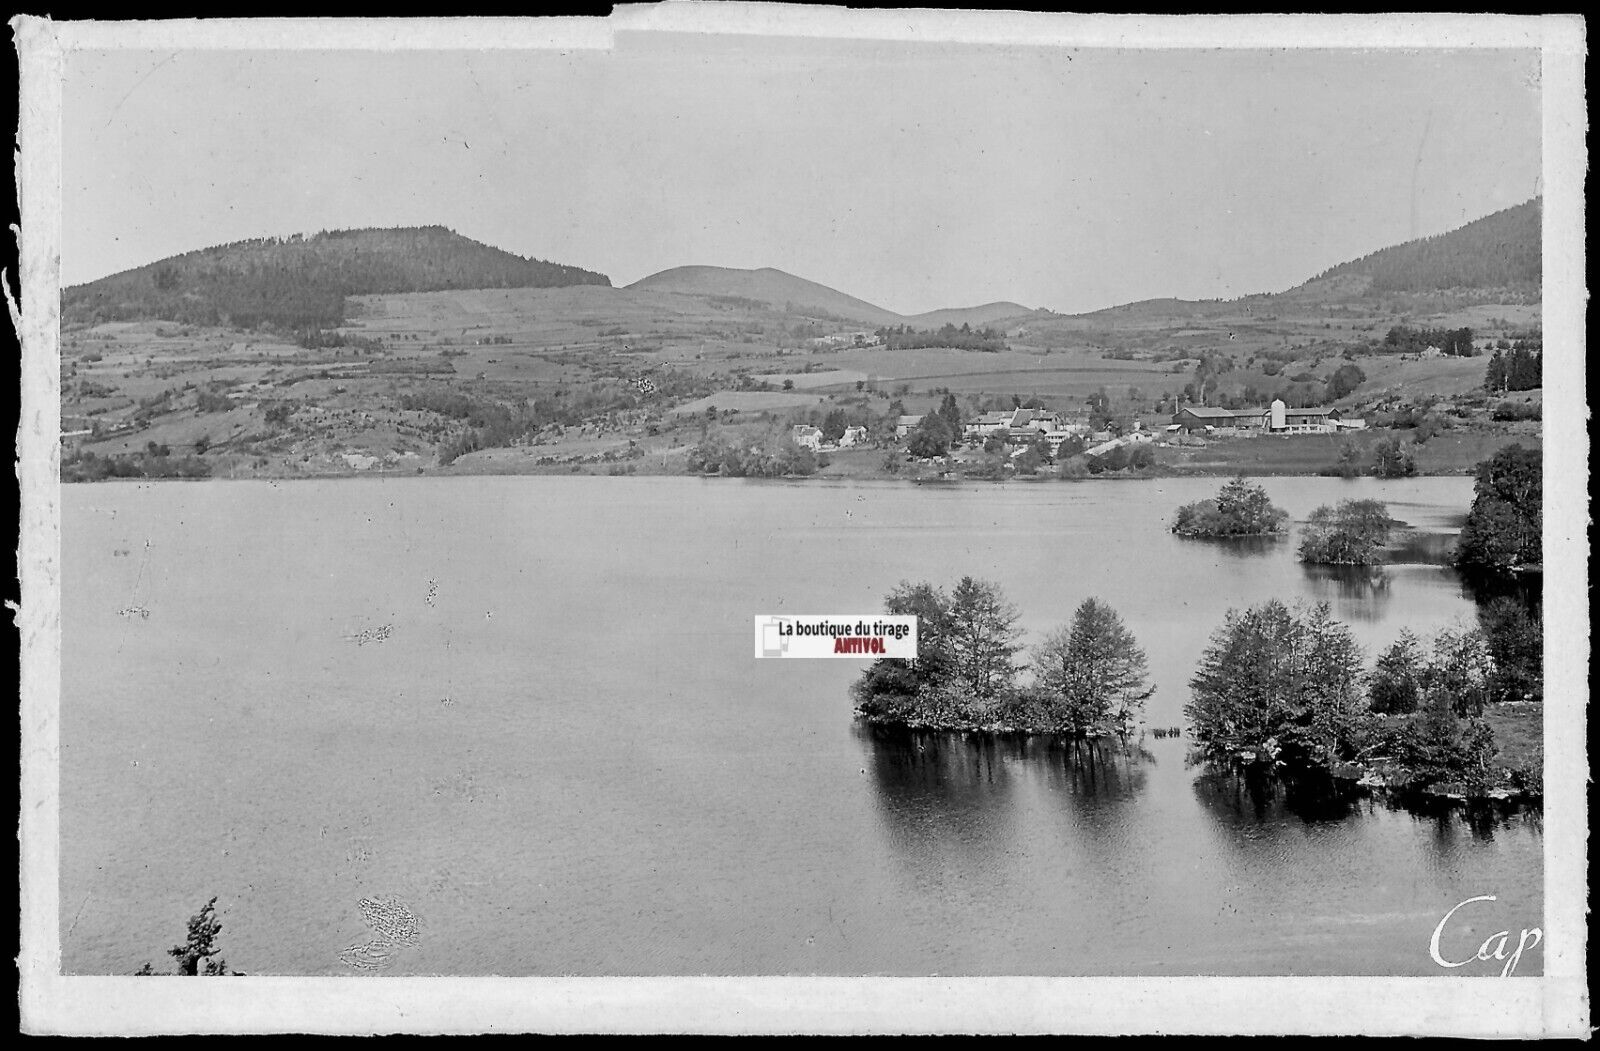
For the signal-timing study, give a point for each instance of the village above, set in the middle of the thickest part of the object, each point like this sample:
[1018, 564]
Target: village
[1020, 430]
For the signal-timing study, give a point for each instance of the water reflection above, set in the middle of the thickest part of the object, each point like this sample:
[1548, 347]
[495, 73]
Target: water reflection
[1412, 547]
[1362, 591]
[945, 794]
[1255, 797]
[1526, 588]
[1238, 547]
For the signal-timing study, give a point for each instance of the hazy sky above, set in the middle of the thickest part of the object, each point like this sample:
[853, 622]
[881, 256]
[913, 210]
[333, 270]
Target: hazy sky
[915, 176]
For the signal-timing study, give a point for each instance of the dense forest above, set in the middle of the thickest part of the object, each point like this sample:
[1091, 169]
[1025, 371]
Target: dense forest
[301, 282]
[1498, 251]
[1456, 343]
[1520, 366]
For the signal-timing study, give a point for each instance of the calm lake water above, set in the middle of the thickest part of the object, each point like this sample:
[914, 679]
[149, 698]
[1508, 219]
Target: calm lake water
[564, 759]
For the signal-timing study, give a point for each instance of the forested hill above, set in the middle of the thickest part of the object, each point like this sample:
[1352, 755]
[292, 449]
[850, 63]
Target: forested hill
[1498, 251]
[301, 282]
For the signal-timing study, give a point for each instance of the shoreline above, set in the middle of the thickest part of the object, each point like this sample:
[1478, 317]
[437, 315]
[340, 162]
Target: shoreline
[1158, 474]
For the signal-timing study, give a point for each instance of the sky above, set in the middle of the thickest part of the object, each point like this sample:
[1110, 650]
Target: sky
[914, 176]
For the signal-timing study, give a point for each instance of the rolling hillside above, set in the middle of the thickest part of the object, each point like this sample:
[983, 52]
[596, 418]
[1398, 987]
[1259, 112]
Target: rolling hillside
[977, 317]
[302, 282]
[766, 285]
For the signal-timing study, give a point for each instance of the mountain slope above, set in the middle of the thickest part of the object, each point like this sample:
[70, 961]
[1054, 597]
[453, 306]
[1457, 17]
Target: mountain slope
[766, 286]
[1498, 251]
[302, 282]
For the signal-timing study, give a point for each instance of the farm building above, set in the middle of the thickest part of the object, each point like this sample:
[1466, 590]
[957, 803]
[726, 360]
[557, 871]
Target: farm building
[852, 436]
[1203, 417]
[903, 425]
[1284, 420]
[806, 437]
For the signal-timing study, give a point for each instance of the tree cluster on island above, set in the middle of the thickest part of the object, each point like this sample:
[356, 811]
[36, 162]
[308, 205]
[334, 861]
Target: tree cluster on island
[1088, 676]
[1350, 533]
[1240, 508]
[1288, 689]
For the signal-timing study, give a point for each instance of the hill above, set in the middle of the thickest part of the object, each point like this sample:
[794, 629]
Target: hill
[774, 287]
[302, 282]
[977, 317]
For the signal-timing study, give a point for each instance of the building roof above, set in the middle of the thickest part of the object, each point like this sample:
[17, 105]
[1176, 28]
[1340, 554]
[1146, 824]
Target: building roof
[1311, 412]
[909, 421]
[1207, 412]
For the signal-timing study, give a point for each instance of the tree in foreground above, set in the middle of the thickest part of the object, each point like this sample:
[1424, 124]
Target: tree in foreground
[198, 947]
[1275, 681]
[1397, 677]
[1091, 673]
[1516, 644]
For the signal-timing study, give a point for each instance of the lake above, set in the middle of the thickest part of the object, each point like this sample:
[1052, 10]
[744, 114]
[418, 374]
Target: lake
[562, 758]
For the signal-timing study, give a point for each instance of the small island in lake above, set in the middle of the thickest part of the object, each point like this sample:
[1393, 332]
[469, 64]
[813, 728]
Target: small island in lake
[1240, 508]
[1089, 676]
[1352, 533]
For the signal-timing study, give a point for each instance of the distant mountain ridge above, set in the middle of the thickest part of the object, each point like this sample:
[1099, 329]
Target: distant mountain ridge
[765, 285]
[302, 282]
[784, 290]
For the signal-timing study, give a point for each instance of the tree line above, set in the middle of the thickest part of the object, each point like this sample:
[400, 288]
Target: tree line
[904, 337]
[1454, 342]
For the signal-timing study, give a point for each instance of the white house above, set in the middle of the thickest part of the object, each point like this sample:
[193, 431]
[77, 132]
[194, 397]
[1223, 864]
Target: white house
[852, 436]
[807, 437]
[1055, 438]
